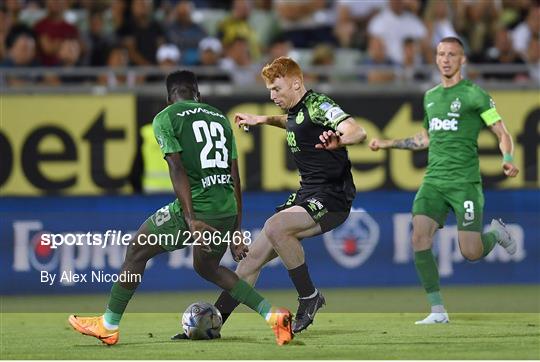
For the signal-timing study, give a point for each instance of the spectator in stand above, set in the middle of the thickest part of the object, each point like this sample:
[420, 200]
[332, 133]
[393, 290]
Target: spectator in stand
[533, 59]
[168, 58]
[413, 6]
[476, 22]
[70, 57]
[184, 33]
[52, 31]
[502, 53]
[236, 25]
[377, 57]
[352, 19]
[96, 40]
[118, 58]
[9, 16]
[21, 52]
[411, 62]
[305, 22]
[238, 63]
[5, 26]
[210, 54]
[393, 25]
[438, 23]
[210, 51]
[323, 56]
[116, 18]
[527, 30]
[13, 9]
[142, 35]
[279, 46]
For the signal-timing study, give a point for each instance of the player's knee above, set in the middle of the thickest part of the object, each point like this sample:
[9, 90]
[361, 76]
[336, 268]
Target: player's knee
[471, 255]
[273, 230]
[137, 254]
[421, 242]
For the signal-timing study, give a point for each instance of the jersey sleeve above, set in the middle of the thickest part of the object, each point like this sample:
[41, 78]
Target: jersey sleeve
[326, 112]
[425, 123]
[165, 136]
[486, 108]
[234, 153]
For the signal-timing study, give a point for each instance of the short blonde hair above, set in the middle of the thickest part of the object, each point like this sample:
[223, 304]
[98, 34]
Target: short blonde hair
[280, 68]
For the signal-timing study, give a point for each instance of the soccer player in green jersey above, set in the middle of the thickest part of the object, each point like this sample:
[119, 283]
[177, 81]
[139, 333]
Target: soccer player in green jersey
[454, 113]
[197, 142]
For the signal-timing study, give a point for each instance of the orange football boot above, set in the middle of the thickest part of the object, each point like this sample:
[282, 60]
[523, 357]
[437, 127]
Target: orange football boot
[281, 322]
[93, 326]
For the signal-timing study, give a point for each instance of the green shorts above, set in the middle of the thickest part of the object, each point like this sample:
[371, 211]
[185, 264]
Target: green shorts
[172, 233]
[467, 201]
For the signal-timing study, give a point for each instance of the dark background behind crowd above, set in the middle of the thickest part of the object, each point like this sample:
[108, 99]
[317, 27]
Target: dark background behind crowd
[392, 39]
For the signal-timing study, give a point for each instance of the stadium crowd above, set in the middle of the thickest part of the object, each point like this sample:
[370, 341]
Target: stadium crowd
[391, 39]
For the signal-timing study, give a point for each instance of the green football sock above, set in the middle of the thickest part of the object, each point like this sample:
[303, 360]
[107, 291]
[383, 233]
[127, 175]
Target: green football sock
[489, 240]
[426, 267]
[244, 293]
[118, 301]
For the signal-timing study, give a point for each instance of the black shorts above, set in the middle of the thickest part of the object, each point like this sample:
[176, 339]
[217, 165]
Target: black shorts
[325, 205]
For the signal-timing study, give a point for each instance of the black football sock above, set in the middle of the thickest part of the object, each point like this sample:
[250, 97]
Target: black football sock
[226, 305]
[302, 281]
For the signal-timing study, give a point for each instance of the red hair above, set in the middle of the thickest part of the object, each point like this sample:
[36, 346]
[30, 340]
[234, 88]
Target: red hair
[280, 68]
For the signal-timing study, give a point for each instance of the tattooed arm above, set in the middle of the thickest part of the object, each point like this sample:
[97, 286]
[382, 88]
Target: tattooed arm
[419, 141]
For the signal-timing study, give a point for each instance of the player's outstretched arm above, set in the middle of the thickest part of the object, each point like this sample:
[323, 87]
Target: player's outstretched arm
[182, 190]
[419, 141]
[348, 133]
[506, 145]
[247, 120]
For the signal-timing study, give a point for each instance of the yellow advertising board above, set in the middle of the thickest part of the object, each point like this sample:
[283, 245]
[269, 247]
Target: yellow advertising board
[87, 144]
[374, 170]
[67, 144]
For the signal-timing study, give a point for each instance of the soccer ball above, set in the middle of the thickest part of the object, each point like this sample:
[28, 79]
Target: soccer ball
[202, 320]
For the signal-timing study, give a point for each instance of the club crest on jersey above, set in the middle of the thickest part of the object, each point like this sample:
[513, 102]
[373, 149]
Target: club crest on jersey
[455, 106]
[491, 103]
[300, 117]
[160, 141]
[353, 242]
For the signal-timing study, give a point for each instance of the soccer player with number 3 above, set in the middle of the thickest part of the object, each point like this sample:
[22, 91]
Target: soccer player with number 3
[454, 113]
[197, 142]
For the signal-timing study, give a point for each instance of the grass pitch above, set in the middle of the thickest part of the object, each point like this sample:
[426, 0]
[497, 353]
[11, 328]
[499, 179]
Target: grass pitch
[488, 323]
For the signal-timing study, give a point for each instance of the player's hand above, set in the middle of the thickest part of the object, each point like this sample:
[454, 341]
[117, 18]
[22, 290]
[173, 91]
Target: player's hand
[246, 119]
[238, 250]
[330, 140]
[510, 169]
[200, 226]
[197, 229]
[375, 144]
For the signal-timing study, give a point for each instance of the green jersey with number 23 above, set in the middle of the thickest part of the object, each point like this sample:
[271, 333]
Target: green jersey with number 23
[203, 136]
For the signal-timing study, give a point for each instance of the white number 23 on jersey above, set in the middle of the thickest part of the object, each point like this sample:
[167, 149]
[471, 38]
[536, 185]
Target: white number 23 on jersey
[215, 130]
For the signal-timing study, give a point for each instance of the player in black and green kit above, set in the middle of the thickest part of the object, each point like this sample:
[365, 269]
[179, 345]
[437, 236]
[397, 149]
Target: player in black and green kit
[317, 133]
[197, 142]
[454, 113]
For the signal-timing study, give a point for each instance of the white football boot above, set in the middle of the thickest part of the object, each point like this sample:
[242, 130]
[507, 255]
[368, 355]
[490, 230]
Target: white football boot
[505, 239]
[435, 318]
